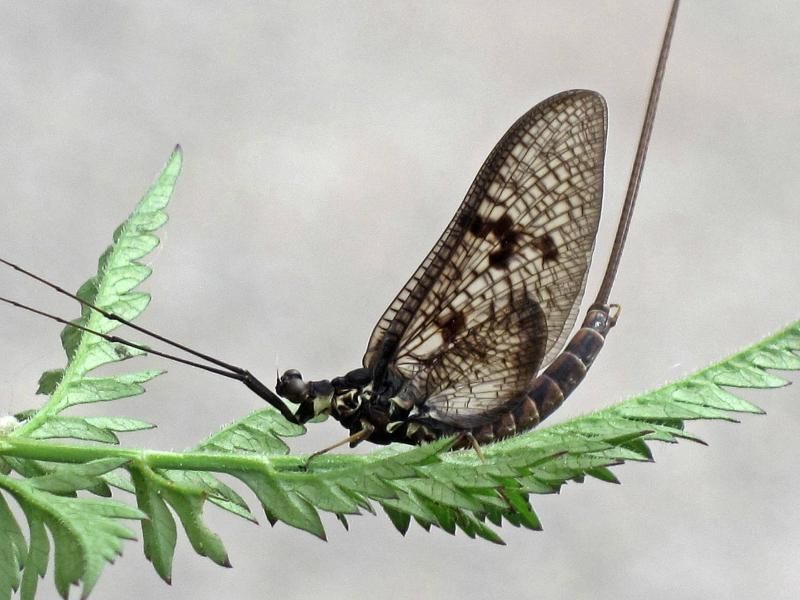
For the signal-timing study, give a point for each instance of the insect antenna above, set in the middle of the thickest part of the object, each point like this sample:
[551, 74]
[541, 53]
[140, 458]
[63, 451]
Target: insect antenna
[638, 163]
[222, 368]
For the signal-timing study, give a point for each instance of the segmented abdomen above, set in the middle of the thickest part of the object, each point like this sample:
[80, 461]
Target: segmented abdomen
[552, 386]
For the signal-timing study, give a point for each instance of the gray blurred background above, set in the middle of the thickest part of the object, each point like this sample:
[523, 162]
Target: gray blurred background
[326, 147]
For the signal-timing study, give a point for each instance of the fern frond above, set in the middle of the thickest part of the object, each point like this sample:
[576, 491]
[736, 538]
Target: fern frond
[119, 272]
[430, 485]
[85, 532]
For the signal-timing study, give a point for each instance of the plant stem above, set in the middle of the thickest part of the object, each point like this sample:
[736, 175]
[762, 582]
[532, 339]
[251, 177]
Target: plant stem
[185, 461]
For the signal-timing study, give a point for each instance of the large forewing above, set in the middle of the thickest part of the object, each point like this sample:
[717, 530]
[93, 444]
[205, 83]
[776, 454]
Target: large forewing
[527, 226]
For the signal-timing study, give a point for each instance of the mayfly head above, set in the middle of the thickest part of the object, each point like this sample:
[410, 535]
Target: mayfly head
[314, 397]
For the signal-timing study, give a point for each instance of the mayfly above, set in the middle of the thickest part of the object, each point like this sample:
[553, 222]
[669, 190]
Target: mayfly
[458, 350]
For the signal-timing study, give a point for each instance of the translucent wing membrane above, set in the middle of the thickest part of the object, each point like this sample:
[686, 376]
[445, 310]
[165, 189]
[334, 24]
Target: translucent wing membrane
[487, 365]
[469, 327]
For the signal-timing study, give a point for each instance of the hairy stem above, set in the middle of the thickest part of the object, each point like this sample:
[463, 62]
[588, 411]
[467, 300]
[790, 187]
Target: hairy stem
[185, 461]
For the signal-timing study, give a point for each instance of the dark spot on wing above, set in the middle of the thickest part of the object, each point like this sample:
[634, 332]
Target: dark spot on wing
[499, 258]
[509, 239]
[547, 246]
[452, 327]
[472, 223]
[503, 230]
[477, 227]
[502, 227]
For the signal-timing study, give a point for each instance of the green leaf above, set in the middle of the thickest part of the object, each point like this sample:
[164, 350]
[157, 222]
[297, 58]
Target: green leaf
[93, 529]
[603, 474]
[475, 527]
[187, 501]
[103, 389]
[86, 533]
[13, 551]
[281, 502]
[706, 393]
[119, 424]
[327, 496]
[400, 520]
[120, 480]
[258, 433]
[67, 479]
[740, 372]
[111, 289]
[73, 427]
[49, 380]
[38, 553]
[158, 530]
[69, 557]
[216, 491]
[189, 508]
[92, 429]
[33, 469]
[522, 508]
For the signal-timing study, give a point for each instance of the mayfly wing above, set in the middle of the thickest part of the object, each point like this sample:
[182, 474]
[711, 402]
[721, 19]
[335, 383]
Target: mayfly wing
[499, 292]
